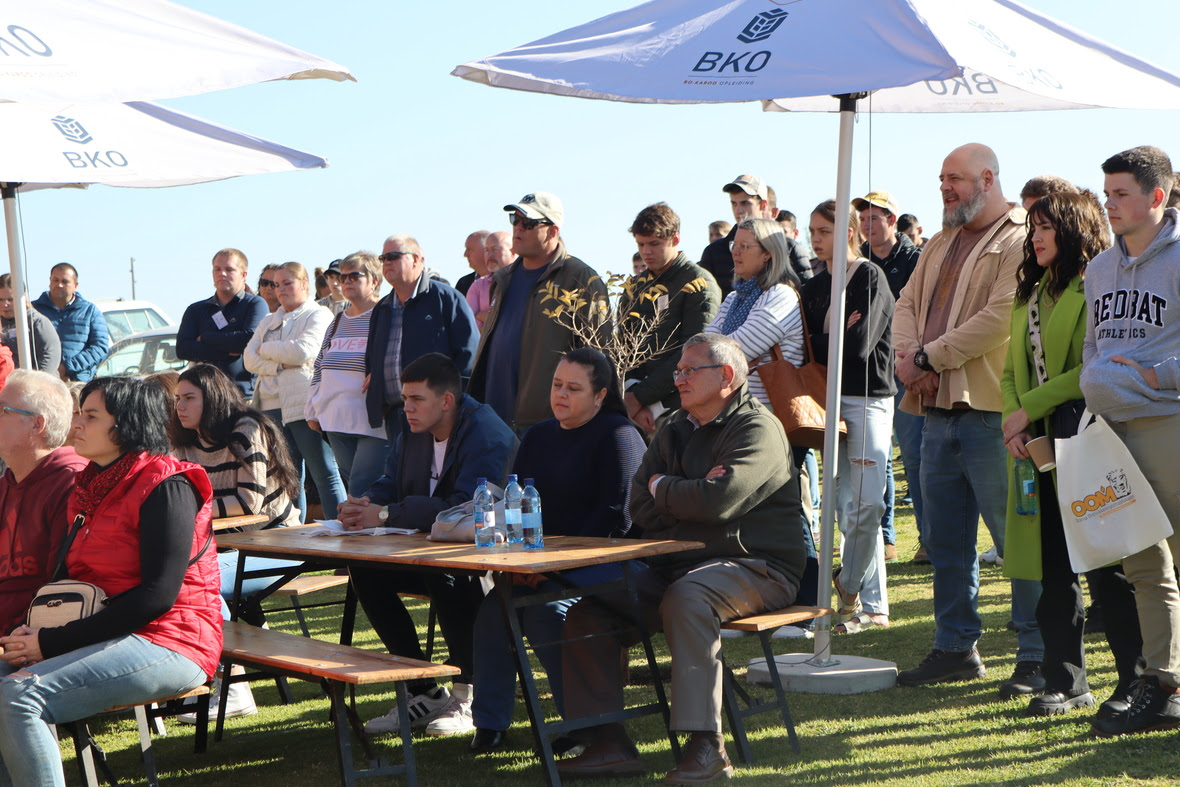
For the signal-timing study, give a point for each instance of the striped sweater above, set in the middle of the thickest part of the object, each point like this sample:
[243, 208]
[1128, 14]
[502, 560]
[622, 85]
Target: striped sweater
[244, 481]
[775, 319]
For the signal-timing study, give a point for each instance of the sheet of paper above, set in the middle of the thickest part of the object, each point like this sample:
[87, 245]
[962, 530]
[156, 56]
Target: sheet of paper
[333, 527]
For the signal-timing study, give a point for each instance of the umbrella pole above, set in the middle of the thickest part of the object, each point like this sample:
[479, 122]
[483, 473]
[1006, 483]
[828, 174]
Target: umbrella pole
[823, 633]
[24, 353]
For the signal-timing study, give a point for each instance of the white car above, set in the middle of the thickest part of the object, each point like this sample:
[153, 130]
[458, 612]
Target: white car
[127, 317]
[142, 353]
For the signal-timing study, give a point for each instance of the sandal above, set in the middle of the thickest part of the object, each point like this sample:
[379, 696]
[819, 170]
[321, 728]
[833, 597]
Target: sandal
[849, 606]
[858, 623]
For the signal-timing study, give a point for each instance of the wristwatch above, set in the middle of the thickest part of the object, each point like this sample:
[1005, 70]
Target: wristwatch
[922, 360]
[383, 514]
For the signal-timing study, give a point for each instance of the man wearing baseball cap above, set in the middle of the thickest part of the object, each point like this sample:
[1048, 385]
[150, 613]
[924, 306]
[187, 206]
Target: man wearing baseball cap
[749, 198]
[520, 346]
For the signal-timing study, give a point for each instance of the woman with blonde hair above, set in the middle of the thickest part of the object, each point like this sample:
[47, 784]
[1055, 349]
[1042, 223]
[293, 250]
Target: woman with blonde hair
[281, 353]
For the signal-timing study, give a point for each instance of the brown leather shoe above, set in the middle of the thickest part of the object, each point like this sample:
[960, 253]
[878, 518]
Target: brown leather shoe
[603, 758]
[701, 764]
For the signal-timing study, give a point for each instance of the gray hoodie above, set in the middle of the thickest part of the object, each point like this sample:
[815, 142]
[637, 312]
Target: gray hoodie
[1134, 310]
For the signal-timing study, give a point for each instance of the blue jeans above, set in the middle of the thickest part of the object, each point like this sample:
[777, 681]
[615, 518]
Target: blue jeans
[813, 479]
[964, 475]
[77, 685]
[229, 574]
[308, 446]
[495, 666]
[361, 459]
[907, 429]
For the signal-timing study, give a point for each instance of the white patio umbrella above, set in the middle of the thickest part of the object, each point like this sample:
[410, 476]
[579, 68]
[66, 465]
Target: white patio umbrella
[139, 145]
[826, 55]
[132, 50]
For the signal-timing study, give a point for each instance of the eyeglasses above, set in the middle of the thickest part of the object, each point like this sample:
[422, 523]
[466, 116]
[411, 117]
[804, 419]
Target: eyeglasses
[394, 256]
[265, 283]
[734, 245]
[6, 409]
[352, 276]
[688, 372]
[517, 220]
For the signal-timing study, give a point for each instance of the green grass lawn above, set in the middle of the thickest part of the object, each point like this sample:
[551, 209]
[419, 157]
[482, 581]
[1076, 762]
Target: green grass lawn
[957, 734]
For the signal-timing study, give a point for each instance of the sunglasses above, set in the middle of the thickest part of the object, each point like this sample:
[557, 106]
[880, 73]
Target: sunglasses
[352, 276]
[517, 220]
[394, 256]
[265, 283]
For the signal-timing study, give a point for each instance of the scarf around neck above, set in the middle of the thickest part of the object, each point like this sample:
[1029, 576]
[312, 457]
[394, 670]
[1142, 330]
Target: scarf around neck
[746, 292]
[94, 483]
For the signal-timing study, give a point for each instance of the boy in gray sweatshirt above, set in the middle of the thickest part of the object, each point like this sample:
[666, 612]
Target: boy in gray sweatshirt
[1131, 376]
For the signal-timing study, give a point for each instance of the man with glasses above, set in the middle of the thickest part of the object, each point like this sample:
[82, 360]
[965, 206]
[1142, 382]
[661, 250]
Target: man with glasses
[420, 315]
[520, 346]
[216, 330]
[35, 413]
[716, 472]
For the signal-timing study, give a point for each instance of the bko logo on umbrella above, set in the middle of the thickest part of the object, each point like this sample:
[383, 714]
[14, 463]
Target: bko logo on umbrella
[71, 129]
[762, 26]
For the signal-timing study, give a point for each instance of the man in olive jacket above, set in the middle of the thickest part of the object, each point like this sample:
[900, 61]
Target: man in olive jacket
[687, 297]
[520, 346]
[717, 472]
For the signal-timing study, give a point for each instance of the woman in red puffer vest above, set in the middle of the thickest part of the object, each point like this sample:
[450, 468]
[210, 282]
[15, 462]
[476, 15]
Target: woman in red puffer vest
[143, 534]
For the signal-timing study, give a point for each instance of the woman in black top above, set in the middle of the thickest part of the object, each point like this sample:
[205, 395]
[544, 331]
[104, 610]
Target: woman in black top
[866, 405]
[581, 463]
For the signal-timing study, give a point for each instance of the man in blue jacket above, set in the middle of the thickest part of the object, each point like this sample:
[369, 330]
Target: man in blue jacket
[217, 330]
[419, 316]
[448, 442]
[78, 322]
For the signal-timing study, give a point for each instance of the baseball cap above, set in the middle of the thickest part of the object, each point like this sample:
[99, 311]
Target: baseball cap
[880, 199]
[333, 267]
[539, 205]
[749, 184]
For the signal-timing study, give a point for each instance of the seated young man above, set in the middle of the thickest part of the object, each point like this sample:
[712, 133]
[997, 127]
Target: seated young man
[448, 441]
[717, 472]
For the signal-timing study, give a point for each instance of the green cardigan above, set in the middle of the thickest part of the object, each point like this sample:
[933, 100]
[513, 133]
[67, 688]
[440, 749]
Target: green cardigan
[1062, 340]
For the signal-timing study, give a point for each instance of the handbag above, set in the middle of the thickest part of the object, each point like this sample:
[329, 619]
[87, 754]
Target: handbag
[797, 394]
[457, 523]
[1108, 510]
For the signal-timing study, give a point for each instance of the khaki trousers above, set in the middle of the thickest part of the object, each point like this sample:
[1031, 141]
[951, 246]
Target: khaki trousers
[1153, 441]
[689, 607]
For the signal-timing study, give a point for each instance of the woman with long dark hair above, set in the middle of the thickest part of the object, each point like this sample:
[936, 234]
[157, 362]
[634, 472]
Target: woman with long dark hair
[581, 461]
[867, 388]
[143, 534]
[1042, 398]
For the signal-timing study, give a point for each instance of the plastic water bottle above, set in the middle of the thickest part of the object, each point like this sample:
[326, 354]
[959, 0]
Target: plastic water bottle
[530, 504]
[513, 524]
[1024, 477]
[485, 515]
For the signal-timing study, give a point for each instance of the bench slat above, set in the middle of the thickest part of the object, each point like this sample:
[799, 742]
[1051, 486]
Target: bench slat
[310, 584]
[782, 617]
[197, 692]
[245, 644]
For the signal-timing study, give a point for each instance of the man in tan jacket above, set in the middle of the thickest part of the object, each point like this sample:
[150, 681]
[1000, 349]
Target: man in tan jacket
[950, 331]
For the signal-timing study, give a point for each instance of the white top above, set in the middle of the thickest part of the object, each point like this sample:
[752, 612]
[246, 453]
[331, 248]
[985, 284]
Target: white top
[292, 339]
[440, 453]
[334, 398]
[775, 318]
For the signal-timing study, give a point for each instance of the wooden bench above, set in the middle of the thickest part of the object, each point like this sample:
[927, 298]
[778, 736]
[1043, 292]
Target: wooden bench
[91, 757]
[334, 666]
[295, 589]
[763, 625]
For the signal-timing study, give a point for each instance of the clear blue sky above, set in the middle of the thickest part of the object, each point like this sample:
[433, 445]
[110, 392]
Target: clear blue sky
[415, 150]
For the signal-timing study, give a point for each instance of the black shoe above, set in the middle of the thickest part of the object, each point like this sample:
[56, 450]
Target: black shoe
[567, 746]
[1056, 703]
[942, 666]
[1026, 679]
[486, 740]
[1119, 701]
[1153, 707]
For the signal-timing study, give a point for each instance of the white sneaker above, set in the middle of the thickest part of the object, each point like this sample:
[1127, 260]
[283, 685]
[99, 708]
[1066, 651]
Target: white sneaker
[456, 717]
[423, 708]
[240, 703]
[991, 556]
[792, 632]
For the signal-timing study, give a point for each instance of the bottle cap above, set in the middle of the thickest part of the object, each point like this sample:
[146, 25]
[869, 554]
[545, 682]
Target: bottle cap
[480, 481]
[528, 482]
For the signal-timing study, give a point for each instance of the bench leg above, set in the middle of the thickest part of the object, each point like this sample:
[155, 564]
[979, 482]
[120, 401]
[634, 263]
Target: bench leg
[403, 718]
[779, 694]
[733, 711]
[431, 620]
[295, 605]
[144, 723]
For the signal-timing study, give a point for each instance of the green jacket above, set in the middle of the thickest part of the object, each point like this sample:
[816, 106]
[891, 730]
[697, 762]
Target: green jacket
[690, 297]
[1062, 340]
[543, 340]
[752, 512]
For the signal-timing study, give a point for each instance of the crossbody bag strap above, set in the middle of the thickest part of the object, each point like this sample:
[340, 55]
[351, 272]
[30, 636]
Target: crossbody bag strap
[64, 549]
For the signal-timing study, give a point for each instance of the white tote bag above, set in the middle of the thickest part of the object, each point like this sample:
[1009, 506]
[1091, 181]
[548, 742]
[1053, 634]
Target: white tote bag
[1108, 509]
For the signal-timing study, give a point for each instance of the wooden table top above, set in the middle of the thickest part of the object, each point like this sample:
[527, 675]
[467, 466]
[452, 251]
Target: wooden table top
[559, 554]
[230, 522]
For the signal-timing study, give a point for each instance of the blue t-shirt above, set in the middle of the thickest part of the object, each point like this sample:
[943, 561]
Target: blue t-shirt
[503, 369]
